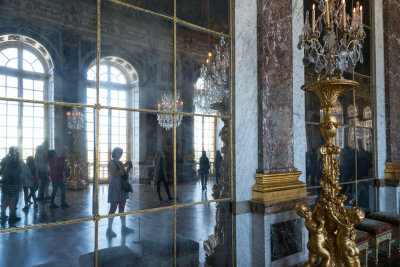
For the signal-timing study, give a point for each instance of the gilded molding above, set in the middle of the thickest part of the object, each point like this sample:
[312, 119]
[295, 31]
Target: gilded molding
[274, 187]
[392, 170]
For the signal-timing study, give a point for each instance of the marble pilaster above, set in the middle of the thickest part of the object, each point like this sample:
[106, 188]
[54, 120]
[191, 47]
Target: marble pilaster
[380, 89]
[275, 87]
[245, 131]
[391, 15]
[277, 176]
[299, 134]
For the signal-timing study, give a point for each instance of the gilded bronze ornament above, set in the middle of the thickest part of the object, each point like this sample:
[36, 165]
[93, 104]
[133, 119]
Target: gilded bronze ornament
[331, 227]
[333, 43]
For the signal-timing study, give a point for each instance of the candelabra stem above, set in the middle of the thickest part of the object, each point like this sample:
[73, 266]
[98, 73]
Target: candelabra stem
[330, 226]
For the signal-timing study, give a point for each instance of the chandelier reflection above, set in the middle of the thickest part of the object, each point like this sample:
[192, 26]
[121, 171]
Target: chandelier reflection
[75, 122]
[75, 119]
[167, 104]
[212, 86]
[333, 41]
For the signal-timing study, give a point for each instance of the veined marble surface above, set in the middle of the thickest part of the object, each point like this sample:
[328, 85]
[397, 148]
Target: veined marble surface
[380, 90]
[245, 97]
[246, 121]
[275, 77]
[392, 76]
[299, 126]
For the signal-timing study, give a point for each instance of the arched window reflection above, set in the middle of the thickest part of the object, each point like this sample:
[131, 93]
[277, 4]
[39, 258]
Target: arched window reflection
[118, 88]
[205, 129]
[25, 72]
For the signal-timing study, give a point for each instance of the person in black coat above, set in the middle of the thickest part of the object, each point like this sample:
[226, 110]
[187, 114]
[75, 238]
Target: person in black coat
[160, 174]
[204, 170]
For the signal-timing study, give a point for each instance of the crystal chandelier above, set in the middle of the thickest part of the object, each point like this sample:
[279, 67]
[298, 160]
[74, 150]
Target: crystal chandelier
[75, 119]
[333, 41]
[213, 86]
[167, 104]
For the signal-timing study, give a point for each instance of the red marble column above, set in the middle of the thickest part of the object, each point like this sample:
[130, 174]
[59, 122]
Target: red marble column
[391, 18]
[275, 87]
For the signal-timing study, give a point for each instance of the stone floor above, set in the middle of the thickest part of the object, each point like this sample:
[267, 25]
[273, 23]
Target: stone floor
[66, 243]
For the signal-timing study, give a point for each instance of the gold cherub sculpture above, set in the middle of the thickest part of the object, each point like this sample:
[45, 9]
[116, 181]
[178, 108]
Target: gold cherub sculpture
[318, 237]
[349, 252]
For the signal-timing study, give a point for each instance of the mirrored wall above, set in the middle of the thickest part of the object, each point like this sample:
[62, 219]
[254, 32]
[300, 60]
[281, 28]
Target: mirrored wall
[116, 132]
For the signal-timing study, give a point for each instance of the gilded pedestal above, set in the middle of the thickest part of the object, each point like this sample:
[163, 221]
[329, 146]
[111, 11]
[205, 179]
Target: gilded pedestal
[330, 226]
[275, 187]
[392, 170]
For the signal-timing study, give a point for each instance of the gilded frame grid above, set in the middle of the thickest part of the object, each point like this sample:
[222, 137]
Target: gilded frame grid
[373, 104]
[97, 107]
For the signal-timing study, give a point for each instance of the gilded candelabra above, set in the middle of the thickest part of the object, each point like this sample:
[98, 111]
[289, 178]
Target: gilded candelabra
[218, 244]
[75, 122]
[334, 46]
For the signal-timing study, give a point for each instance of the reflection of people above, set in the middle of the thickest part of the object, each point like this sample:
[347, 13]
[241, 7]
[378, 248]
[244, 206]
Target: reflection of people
[218, 161]
[312, 166]
[57, 168]
[160, 174]
[116, 196]
[316, 243]
[42, 167]
[28, 182]
[11, 172]
[204, 170]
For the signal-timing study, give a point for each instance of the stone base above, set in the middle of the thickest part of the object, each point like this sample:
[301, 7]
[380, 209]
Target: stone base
[76, 185]
[274, 187]
[392, 170]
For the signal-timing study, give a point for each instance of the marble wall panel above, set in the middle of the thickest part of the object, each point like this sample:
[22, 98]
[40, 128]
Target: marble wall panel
[380, 89]
[275, 87]
[243, 239]
[286, 238]
[245, 97]
[391, 14]
[299, 132]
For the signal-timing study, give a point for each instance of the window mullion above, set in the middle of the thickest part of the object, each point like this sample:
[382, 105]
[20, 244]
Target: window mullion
[20, 95]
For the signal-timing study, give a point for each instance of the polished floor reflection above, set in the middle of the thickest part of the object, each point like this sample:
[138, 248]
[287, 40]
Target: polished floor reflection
[67, 243]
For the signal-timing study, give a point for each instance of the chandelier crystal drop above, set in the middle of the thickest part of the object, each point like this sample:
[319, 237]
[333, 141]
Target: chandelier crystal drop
[213, 86]
[333, 40]
[167, 104]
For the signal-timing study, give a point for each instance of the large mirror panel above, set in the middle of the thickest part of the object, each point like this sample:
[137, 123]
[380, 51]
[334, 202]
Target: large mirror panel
[367, 193]
[160, 6]
[45, 166]
[46, 55]
[136, 65]
[203, 159]
[365, 153]
[145, 239]
[211, 14]
[209, 243]
[42, 247]
[203, 73]
[141, 144]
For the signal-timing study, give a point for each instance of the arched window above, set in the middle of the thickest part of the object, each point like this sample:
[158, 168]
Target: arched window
[26, 73]
[118, 88]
